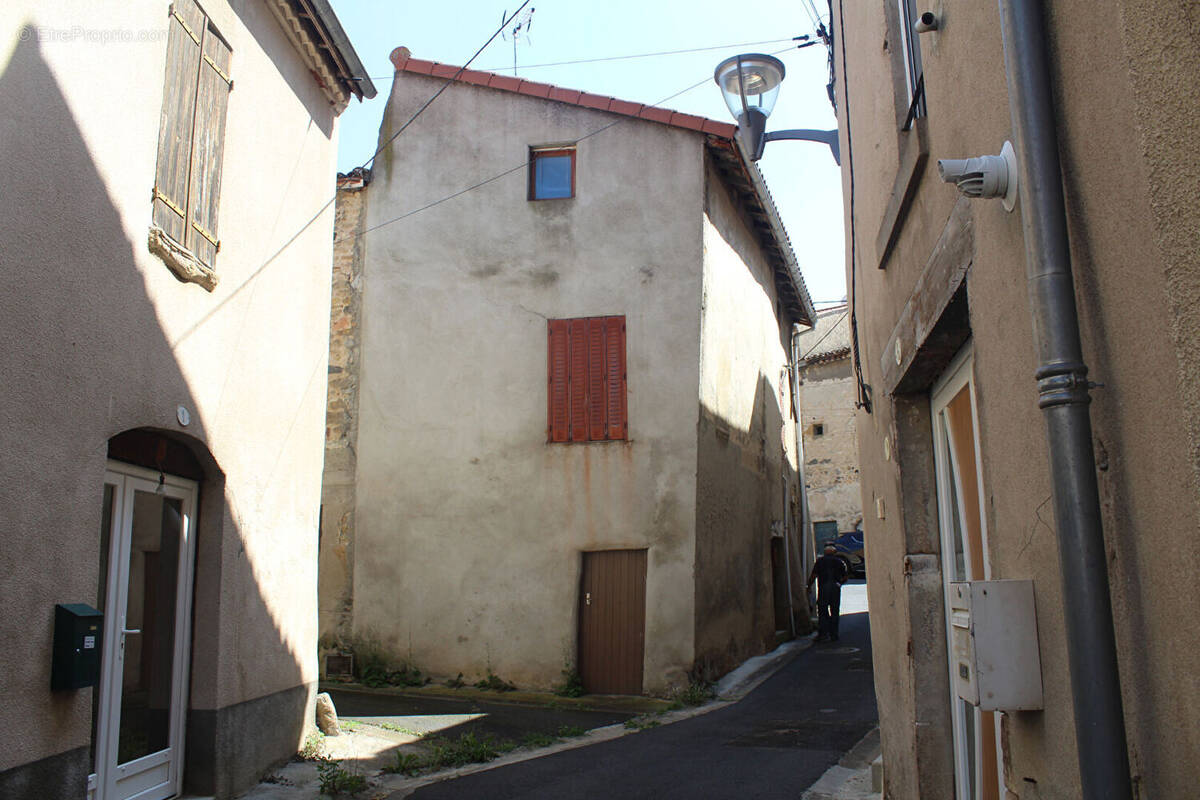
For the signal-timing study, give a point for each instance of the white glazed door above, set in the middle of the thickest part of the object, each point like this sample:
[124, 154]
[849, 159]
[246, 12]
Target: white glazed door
[147, 593]
[964, 558]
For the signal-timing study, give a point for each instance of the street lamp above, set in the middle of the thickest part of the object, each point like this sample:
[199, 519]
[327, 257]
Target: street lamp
[750, 83]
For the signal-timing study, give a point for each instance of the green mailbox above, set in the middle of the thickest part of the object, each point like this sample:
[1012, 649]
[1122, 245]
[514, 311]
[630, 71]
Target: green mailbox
[78, 634]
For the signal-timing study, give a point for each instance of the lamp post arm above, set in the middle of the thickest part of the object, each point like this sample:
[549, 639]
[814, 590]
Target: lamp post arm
[807, 134]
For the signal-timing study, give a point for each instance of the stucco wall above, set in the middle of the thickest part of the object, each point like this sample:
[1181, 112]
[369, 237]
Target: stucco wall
[831, 458]
[336, 567]
[100, 338]
[1138, 340]
[470, 527]
[746, 445]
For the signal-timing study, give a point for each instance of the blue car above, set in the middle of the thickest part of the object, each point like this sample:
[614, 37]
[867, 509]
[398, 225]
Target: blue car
[850, 549]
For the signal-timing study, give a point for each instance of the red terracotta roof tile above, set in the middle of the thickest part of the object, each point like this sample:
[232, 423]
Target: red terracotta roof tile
[655, 114]
[595, 101]
[404, 63]
[725, 129]
[505, 82]
[689, 121]
[535, 89]
[565, 95]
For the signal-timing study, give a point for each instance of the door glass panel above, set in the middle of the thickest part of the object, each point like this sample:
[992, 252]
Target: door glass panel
[959, 565]
[150, 626]
[106, 518]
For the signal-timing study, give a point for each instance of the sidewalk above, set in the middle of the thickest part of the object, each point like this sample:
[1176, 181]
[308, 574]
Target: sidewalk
[378, 723]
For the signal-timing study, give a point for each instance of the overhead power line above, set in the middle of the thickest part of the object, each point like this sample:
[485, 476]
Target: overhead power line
[803, 38]
[438, 93]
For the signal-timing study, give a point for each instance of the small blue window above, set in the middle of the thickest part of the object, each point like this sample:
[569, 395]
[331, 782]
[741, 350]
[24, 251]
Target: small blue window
[552, 174]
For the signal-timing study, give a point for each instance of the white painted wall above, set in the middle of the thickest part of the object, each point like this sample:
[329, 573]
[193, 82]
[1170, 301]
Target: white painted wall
[470, 527]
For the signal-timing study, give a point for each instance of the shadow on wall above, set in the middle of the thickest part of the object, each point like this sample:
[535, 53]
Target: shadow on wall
[741, 586]
[85, 358]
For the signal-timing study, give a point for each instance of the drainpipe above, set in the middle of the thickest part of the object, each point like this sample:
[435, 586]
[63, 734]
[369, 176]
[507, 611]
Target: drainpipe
[1063, 397]
[805, 536]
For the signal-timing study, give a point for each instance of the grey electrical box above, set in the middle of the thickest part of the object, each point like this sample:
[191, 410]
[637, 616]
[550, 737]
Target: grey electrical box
[78, 631]
[994, 647]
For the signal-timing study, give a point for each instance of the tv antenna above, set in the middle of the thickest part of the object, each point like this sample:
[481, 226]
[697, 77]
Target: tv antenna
[521, 24]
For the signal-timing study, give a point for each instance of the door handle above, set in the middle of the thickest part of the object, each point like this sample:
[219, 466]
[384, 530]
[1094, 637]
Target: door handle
[587, 598]
[128, 631]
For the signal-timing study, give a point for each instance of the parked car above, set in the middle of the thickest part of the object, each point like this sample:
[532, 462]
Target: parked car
[850, 549]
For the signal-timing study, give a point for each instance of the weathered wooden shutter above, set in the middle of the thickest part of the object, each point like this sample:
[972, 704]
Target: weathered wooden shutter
[579, 380]
[212, 101]
[171, 178]
[558, 368]
[614, 340]
[597, 395]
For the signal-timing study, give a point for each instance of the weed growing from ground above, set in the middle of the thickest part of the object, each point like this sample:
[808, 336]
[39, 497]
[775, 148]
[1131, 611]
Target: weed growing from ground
[314, 747]
[572, 685]
[406, 764]
[391, 726]
[697, 693]
[334, 780]
[571, 731]
[456, 683]
[494, 683]
[641, 723]
[535, 739]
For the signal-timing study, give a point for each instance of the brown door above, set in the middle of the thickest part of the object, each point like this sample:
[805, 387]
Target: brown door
[612, 621]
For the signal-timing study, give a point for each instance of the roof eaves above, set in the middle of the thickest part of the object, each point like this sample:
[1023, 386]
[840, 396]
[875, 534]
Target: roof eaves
[404, 62]
[353, 73]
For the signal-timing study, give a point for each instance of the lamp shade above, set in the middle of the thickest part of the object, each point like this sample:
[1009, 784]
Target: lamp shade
[750, 80]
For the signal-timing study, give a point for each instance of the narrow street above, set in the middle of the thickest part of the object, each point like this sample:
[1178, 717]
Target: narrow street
[775, 743]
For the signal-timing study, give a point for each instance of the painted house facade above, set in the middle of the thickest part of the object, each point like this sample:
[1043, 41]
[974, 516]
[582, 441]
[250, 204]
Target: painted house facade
[968, 473]
[573, 443]
[830, 436]
[164, 239]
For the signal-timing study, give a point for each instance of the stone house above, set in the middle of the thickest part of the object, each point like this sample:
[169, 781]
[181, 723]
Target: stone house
[826, 398]
[990, 461]
[164, 238]
[572, 441]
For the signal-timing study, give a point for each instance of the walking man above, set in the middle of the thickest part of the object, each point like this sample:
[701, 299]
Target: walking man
[830, 573]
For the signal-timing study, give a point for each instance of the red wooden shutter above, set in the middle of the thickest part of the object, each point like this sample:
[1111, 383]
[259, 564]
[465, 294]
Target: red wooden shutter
[187, 26]
[597, 393]
[212, 100]
[558, 368]
[618, 423]
[579, 380]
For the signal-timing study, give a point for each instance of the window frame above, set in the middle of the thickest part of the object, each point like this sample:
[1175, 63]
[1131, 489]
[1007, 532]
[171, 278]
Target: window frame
[910, 56]
[537, 153]
[191, 141]
[587, 399]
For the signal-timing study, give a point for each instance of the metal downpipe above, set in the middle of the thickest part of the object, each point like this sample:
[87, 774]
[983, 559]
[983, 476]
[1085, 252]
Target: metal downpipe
[1063, 397]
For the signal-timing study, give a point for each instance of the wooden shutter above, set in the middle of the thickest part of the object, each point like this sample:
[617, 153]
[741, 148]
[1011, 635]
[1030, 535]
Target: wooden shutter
[558, 381]
[579, 380]
[597, 394]
[212, 101]
[187, 26]
[614, 339]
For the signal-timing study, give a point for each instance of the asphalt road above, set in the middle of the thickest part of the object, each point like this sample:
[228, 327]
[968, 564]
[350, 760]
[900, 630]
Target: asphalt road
[775, 743]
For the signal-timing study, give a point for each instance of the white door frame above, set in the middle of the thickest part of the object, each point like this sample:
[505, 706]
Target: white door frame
[157, 775]
[959, 374]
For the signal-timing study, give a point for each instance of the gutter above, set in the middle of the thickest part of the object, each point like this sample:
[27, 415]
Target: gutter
[1063, 396]
[353, 71]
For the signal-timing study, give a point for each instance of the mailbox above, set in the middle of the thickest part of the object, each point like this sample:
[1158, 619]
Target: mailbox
[994, 647]
[78, 631]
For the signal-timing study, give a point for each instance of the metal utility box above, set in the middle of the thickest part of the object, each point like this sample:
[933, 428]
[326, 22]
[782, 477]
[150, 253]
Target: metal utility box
[78, 631]
[994, 645]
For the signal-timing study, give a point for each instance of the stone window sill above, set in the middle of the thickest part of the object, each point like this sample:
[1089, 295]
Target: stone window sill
[181, 261]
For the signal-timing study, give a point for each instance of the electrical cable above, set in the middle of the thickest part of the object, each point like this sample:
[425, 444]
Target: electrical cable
[862, 389]
[525, 164]
[803, 38]
[445, 85]
[824, 336]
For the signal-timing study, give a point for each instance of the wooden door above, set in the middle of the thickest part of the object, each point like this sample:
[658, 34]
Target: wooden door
[612, 621]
